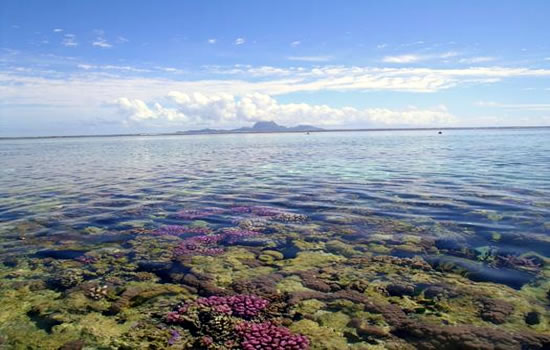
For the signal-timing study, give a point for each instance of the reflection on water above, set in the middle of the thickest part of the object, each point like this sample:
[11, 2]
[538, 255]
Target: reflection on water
[377, 240]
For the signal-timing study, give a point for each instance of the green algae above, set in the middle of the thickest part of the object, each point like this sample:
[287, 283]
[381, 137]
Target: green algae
[323, 338]
[309, 260]
[108, 300]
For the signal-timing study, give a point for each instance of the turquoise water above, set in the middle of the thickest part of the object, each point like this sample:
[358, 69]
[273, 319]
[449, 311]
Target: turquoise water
[472, 203]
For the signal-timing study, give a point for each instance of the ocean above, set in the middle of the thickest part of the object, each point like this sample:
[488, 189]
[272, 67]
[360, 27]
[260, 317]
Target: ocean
[359, 240]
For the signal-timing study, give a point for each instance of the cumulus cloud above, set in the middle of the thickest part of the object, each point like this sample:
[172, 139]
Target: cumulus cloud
[224, 109]
[211, 41]
[239, 41]
[295, 43]
[57, 30]
[137, 110]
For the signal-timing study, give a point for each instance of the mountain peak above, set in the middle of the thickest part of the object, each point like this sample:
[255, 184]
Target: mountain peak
[260, 126]
[266, 125]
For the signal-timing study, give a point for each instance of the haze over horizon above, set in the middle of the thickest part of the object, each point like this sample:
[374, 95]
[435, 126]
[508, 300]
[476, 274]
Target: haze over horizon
[135, 67]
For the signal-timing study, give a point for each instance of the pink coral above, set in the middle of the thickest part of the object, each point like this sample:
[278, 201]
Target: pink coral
[265, 211]
[234, 235]
[263, 336]
[245, 306]
[200, 245]
[176, 230]
[238, 305]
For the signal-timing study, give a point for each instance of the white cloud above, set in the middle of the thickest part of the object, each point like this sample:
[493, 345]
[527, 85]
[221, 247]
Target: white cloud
[137, 110]
[310, 58]
[295, 43]
[402, 59]
[57, 30]
[479, 59]
[92, 87]
[414, 43]
[121, 39]
[224, 109]
[211, 41]
[412, 57]
[449, 54]
[239, 41]
[112, 67]
[86, 66]
[381, 46]
[101, 42]
[522, 106]
[69, 40]
[170, 70]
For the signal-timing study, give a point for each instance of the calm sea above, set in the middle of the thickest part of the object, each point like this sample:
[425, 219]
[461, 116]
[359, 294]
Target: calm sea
[475, 203]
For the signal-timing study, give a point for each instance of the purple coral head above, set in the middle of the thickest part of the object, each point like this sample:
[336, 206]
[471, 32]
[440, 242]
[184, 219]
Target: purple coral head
[174, 337]
[176, 230]
[238, 305]
[245, 306]
[200, 245]
[265, 211]
[266, 335]
[234, 235]
[173, 317]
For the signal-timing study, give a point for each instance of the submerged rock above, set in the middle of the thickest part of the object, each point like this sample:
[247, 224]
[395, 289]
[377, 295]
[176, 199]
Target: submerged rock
[532, 318]
[399, 290]
[496, 311]
[60, 254]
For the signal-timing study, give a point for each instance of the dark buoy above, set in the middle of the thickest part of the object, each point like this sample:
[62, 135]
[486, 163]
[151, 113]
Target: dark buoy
[440, 132]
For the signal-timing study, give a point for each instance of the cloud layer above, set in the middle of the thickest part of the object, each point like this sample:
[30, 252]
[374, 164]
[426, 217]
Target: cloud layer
[154, 96]
[222, 110]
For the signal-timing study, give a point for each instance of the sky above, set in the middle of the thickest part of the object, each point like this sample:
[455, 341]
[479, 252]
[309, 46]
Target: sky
[109, 67]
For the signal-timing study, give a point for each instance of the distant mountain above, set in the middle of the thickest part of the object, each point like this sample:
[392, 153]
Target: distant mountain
[269, 126]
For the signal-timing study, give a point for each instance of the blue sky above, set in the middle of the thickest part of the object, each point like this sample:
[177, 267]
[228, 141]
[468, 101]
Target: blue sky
[87, 67]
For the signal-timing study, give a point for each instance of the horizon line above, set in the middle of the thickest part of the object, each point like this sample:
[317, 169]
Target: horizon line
[229, 132]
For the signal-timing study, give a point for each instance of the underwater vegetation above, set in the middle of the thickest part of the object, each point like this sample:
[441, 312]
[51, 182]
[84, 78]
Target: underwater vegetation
[256, 277]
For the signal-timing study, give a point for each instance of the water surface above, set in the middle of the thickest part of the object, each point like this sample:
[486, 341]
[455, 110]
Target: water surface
[471, 207]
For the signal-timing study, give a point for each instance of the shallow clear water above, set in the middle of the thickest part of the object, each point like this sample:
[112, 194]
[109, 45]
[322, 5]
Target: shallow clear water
[471, 203]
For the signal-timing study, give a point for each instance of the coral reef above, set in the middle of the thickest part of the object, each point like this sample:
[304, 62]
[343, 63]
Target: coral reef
[245, 306]
[260, 277]
[200, 245]
[176, 230]
[264, 336]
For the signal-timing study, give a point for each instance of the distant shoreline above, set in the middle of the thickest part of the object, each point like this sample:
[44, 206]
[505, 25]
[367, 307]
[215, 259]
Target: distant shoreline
[229, 132]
